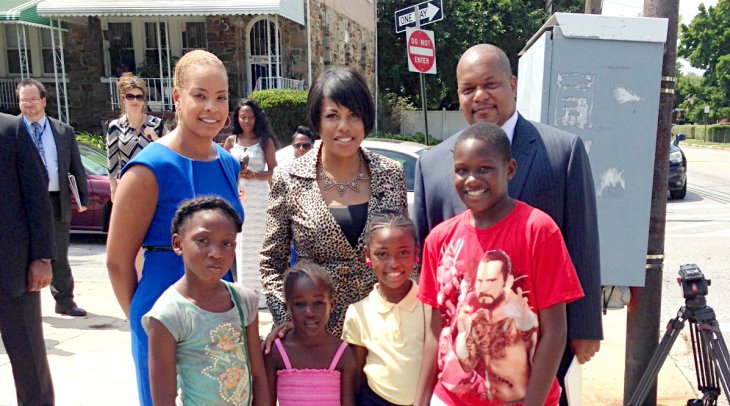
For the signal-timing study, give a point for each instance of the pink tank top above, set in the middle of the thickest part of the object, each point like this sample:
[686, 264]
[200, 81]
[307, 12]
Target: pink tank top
[302, 387]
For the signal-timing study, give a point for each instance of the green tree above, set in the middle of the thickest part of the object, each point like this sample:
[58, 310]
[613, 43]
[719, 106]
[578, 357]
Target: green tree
[505, 23]
[705, 42]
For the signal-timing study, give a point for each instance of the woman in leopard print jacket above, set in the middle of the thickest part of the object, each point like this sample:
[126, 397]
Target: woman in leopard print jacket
[323, 200]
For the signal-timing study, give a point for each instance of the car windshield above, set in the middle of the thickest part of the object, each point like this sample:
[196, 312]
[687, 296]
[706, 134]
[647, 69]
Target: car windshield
[408, 162]
[94, 161]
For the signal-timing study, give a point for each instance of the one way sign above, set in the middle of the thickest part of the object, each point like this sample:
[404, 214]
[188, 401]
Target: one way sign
[427, 12]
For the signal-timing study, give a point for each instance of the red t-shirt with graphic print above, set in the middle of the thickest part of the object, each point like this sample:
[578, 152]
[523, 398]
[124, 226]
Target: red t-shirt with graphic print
[489, 303]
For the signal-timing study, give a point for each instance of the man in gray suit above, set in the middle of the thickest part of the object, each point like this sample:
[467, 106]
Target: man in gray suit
[59, 152]
[553, 175]
[26, 250]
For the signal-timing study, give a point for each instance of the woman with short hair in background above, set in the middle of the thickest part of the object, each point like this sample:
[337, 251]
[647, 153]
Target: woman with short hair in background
[302, 141]
[133, 130]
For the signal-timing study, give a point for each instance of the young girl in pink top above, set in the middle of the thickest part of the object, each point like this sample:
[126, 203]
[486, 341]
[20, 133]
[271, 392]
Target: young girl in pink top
[310, 366]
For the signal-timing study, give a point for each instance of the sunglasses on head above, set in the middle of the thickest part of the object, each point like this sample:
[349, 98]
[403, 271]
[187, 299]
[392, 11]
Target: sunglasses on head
[130, 97]
[304, 145]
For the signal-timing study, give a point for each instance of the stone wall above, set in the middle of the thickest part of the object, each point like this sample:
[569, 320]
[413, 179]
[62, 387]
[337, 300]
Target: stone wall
[338, 41]
[224, 41]
[293, 49]
[88, 97]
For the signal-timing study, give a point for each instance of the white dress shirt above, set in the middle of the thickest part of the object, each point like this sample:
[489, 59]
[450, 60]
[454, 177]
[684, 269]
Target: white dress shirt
[509, 126]
[49, 147]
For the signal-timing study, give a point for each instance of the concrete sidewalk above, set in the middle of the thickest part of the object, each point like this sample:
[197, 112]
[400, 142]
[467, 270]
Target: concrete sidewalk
[91, 362]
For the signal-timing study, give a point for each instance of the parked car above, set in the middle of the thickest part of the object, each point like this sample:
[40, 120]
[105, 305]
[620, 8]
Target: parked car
[96, 217]
[405, 152]
[677, 169]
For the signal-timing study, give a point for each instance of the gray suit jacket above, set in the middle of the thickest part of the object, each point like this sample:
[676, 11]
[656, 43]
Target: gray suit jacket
[553, 175]
[69, 162]
[25, 210]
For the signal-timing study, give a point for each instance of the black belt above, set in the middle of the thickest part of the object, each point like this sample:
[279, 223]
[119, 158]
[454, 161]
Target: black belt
[157, 249]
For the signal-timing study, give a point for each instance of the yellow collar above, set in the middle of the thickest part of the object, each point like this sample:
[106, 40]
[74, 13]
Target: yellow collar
[408, 303]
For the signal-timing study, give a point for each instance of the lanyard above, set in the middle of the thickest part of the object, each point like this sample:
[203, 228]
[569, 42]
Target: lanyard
[30, 130]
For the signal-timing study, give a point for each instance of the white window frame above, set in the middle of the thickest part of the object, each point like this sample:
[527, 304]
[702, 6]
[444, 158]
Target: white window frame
[138, 35]
[46, 47]
[35, 48]
[205, 30]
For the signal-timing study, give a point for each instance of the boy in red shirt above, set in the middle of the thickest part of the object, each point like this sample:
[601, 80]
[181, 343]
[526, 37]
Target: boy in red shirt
[497, 277]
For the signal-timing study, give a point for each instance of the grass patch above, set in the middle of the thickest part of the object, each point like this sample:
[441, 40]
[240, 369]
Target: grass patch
[706, 144]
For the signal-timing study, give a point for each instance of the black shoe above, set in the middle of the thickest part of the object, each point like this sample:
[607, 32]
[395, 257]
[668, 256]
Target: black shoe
[71, 311]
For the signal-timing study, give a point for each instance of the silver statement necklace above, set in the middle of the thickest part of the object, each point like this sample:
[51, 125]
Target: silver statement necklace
[353, 184]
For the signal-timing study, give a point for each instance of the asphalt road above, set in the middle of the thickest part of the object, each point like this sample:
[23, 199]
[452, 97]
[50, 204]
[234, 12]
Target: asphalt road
[698, 231]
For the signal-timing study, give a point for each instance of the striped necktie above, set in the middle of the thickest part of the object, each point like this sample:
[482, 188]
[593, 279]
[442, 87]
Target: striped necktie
[38, 140]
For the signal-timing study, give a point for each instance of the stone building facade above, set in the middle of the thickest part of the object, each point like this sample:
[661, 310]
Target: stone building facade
[342, 34]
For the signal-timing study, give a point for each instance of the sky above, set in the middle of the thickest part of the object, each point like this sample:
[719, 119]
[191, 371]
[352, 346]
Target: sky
[634, 8]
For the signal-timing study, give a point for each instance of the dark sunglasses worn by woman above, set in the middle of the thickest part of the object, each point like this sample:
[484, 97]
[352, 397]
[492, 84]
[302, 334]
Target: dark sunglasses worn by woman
[130, 97]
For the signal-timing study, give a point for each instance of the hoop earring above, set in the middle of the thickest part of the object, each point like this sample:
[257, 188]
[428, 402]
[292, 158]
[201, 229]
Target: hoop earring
[228, 122]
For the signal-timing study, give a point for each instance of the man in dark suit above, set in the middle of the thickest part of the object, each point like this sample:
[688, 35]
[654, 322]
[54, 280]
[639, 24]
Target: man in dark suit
[553, 175]
[26, 249]
[59, 152]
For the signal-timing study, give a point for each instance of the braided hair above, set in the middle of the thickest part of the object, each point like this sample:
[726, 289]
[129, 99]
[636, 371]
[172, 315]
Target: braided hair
[389, 219]
[189, 207]
[306, 269]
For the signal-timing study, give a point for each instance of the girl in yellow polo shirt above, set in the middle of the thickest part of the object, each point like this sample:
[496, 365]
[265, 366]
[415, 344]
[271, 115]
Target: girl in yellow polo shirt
[388, 327]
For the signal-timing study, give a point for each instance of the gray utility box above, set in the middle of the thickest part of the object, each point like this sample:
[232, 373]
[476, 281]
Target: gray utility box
[599, 77]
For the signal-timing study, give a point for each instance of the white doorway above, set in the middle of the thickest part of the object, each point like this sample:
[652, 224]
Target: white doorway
[263, 53]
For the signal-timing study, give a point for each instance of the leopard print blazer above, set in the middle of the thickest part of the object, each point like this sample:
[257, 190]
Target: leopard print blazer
[298, 211]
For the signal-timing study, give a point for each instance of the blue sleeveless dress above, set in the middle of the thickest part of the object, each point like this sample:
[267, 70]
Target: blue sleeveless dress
[178, 178]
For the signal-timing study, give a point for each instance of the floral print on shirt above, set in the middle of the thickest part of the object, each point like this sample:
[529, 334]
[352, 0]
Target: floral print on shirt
[230, 365]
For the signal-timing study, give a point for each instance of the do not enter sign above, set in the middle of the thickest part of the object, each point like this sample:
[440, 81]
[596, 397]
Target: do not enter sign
[421, 50]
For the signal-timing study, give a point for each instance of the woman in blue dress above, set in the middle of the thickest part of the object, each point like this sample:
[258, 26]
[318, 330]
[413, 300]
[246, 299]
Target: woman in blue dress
[183, 164]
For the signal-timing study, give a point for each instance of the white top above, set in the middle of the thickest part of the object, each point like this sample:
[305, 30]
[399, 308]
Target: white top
[256, 159]
[509, 126]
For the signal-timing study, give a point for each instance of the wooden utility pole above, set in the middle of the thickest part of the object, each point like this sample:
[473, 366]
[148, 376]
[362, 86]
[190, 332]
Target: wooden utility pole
[593, 6]
[642, 326]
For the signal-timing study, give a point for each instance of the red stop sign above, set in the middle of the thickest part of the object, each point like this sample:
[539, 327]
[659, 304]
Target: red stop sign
[421, 51]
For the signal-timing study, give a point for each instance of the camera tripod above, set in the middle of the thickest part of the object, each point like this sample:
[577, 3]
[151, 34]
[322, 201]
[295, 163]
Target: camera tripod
[711, 357]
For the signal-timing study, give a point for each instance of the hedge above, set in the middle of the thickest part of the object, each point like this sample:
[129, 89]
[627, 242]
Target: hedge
[285, 109]
[715, 132]
[96, 140]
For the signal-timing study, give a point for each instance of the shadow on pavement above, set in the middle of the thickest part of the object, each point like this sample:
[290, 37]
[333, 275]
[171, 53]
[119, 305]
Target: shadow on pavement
[689, 198]
[90, 322]
[88, 238]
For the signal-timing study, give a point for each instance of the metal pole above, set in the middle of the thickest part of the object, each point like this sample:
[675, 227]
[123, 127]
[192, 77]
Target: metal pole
[63, 71]
[309, 46]
[168, 77]
[268, 52]
[425, 106]
[642, 325]
[277, 53]
[423, 85]
[376, 63]
[160, 64]
[25, 68]
[593, 6]
[55, 68]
